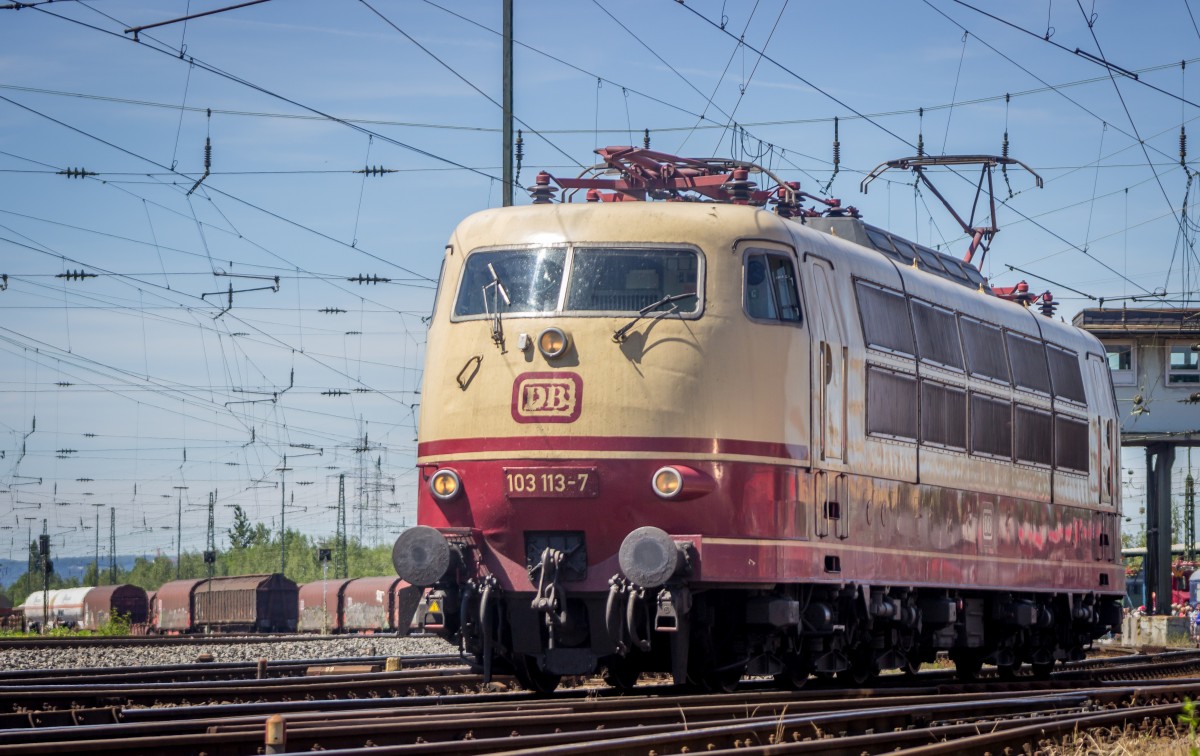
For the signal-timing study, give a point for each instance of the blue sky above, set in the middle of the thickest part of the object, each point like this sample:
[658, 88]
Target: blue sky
[167, 391]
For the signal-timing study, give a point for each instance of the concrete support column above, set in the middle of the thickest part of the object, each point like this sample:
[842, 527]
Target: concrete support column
[1159, 459]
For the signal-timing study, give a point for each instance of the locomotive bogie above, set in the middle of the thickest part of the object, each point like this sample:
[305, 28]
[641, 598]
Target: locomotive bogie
[707, 440]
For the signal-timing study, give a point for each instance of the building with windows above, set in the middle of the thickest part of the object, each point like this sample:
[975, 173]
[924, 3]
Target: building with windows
[1154, 357]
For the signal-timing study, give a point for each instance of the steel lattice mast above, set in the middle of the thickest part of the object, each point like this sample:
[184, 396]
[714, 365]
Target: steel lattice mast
[341, 560]
[112, 545]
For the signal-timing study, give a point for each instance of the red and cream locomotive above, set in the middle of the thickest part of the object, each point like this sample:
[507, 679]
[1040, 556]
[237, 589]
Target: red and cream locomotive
[709, 439]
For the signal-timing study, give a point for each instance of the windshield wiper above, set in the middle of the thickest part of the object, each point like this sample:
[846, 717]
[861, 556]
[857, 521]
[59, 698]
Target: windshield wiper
[500, 293]
[619, 334]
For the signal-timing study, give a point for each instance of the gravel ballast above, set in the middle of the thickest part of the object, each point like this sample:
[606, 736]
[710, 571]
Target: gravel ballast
[331, 647]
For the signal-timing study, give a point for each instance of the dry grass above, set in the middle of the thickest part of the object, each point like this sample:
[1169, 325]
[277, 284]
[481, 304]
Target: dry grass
[1169, 739]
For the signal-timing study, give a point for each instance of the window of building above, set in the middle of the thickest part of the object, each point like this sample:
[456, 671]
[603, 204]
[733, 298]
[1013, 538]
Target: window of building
[1183, 365]
[891, 404]
[771, 288]
[1121, 360]
[884, 315]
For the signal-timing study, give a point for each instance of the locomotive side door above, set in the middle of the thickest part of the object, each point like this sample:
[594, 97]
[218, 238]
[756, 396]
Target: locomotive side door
[828, 365]
[1104, 436]
[1103, 431]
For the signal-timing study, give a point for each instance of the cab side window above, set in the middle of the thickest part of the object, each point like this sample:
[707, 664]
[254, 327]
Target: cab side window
[771, 292]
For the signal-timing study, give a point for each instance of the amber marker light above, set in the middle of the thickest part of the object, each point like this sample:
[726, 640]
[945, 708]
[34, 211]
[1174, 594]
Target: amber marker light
[553, 343]
[668, 482]
[681, 483]
[444, 485]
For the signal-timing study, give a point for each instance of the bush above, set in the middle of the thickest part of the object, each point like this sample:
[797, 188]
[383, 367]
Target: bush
[117, 624]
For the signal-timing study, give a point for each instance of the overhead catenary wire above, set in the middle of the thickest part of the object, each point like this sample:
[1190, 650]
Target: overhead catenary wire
[245, 376]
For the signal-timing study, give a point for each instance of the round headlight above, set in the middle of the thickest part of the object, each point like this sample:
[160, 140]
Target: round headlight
[667, 482]
[444, 485]
[552, 342]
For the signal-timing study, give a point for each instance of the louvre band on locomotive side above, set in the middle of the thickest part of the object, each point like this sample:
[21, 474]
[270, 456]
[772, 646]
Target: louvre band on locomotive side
[733, 436]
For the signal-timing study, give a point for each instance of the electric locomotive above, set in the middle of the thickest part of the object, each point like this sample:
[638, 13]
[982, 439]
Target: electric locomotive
[689, 426]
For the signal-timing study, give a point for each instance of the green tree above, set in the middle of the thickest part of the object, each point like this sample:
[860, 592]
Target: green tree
[258, 555]
[241, 535]
[31, 581]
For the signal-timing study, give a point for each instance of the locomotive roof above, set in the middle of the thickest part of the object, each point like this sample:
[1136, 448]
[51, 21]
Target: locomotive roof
[896, 248]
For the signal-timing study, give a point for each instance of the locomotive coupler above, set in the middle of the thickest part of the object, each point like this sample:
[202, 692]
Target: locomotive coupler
[673, 604]
[550, 598]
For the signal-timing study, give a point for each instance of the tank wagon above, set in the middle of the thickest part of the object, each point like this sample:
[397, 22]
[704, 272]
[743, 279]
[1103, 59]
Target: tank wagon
[262, 603]
[86, 608]
[706, 438]
[360, 605]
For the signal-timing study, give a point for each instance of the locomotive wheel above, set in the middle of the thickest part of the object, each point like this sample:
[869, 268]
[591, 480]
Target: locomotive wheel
[532, 677]
[967, 666]
[861, 671]
[793, 677]
[1042, 671]
[1008, 671]
[621, 673]
[722, 680]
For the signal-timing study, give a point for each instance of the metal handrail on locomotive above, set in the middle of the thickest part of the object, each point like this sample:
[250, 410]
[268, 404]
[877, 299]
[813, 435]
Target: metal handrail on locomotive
[724, 434]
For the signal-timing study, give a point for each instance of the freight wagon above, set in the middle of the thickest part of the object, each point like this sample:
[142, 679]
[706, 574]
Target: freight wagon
[368, 604]
[262, 603]
[85, 608]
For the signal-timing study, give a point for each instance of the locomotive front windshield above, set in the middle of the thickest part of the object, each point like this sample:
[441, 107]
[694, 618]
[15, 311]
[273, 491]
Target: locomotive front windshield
[598, 280]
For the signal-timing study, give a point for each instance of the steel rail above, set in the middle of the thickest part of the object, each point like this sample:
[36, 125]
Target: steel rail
[166, 640]
[212, 670]
[376, 684]
[859, 720]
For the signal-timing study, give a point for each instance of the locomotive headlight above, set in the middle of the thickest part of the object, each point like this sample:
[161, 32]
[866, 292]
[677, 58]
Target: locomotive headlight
[668, 482]
[553, 343]
[444, 485]
[681, 483]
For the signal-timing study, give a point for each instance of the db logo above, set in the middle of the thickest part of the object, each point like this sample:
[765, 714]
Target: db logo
[547, 397]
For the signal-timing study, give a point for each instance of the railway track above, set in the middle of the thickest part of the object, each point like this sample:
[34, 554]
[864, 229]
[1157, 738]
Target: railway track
[925, 712]
[169, 673]
[78, 641]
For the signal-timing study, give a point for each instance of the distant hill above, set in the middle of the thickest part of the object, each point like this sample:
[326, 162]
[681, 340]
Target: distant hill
[67, 566]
